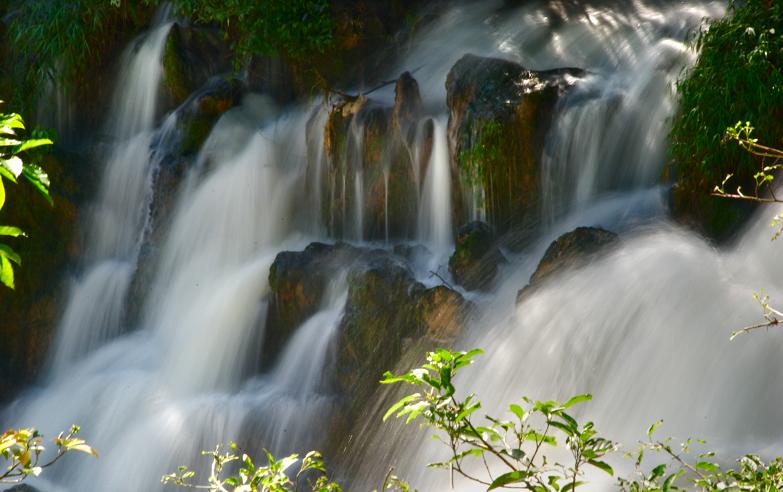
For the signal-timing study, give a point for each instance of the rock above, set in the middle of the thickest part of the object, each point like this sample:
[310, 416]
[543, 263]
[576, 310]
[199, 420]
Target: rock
[385, 308]
[370, 161]
[571, 250]
[407, 107]
[499, 115]
[441, 314]
[476, 257]
[23, 487]
[379, 313]
[198, 114]
[298, 283]
[191, 56]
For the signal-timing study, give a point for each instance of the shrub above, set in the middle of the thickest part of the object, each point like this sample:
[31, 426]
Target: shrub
[737, 75]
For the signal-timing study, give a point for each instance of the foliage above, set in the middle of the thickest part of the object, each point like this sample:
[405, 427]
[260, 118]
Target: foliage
[703, 473]
[12, 147]
[272, 477]
[55, 40]
[294, 28]
[485, 151]
[517, 446]
[769, 162]
[21, 451]
[738, 71]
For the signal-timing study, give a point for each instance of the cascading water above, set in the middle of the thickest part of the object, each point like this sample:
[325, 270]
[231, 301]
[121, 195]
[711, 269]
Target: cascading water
[435, 208]
[117, 223]
[645, 329]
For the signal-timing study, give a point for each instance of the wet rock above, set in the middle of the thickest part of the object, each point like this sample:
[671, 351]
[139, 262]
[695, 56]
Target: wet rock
[385, 308]
[379, 313]
[22, 487]
[370, 160]
[476, 257]
[441, 314]
[499, 114]
[407, 107]
[571, 250]
[191, 56]
[298, 282]
[199, 113]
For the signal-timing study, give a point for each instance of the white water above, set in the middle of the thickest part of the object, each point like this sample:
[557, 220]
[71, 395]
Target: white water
[117, 221]
[435, 228]
[645, 329]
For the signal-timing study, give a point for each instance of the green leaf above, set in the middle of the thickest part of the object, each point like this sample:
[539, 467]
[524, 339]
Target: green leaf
[707, 466]
[31, 144]
[518, 411]
[11, 231]
[658, 471]
[577, 399]
[603, 466]
[5, 173]
[13, 165]
[509, 478]
[9, 142]
[399, 405]
[6, 272]
[39, 179]
[7, 252]
[652, 428]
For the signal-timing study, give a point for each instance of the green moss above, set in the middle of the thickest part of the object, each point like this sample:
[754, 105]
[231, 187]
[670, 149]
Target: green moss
[173, 71]
[485, 152]
[195, 133]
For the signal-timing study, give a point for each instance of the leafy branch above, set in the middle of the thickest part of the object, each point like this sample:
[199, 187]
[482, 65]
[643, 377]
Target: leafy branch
[12, 167]
[272, 477]
[511, 453]
[21, 449]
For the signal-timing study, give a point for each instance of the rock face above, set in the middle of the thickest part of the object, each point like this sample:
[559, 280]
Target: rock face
[191, 56]
[298, 281]
[476, 257]
[28, 314]
[571, 250]
[499, 114]
[370, 161]
[385, 307]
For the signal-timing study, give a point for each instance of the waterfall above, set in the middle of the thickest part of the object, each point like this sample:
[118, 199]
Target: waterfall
[95, 309]
[645, 329]
[434, 228]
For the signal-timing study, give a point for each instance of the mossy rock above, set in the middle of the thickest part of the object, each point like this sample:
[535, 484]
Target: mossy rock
[386, 307]
[476, 258]
[499, 115]
[192, 56]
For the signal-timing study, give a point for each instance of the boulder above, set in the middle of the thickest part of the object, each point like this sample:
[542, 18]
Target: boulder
[476, 257]
[499, 115]
[385, 308]
[571, 250]
[441, 313]
[380, 313]
[298, 282]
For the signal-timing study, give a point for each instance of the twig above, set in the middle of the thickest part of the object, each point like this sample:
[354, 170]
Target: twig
[436, 274]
